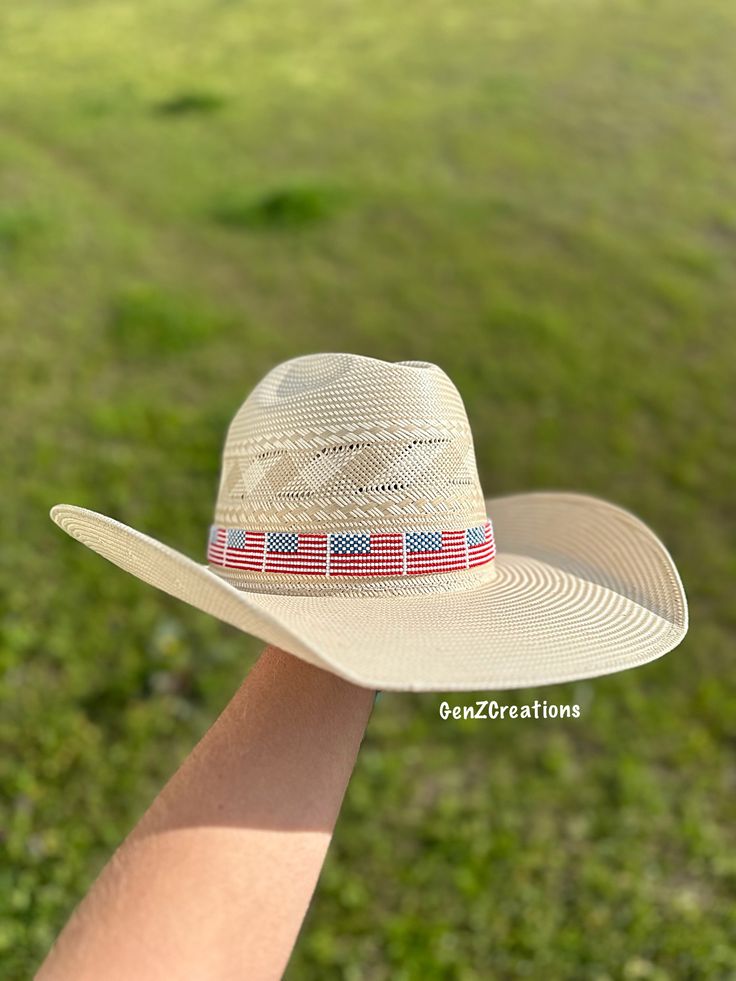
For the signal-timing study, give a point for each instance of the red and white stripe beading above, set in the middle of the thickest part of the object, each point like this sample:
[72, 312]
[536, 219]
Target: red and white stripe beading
[402, 553]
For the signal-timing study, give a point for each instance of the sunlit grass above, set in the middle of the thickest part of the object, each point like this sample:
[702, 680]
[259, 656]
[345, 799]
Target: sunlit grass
[539, 198]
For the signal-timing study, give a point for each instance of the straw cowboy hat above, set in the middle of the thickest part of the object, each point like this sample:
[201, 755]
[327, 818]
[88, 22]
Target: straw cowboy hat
[350, 530]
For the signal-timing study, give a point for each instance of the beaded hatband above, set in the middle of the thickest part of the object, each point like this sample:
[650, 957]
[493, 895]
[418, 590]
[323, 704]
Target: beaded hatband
[403, 553]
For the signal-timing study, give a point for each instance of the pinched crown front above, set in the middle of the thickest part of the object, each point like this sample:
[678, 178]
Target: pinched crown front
[345, 474]
[339, 442]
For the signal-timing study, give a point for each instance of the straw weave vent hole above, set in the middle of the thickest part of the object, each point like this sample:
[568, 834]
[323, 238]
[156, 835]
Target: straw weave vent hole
[341, 447]
[380, 487]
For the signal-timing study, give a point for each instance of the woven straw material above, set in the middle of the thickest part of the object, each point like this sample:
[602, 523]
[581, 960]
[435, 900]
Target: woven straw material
[338, 442]
[580, 588]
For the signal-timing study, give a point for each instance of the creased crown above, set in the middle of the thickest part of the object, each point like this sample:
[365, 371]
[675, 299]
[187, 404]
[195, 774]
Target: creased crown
[338, 442]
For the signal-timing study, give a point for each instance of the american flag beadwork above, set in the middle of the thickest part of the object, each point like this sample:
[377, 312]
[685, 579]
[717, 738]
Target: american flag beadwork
[280, 542]
[359, 553]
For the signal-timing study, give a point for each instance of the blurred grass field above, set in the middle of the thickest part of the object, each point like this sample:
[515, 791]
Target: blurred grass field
[539, 197]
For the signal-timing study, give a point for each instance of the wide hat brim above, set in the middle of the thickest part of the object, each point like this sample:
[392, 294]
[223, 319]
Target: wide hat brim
[582, 588]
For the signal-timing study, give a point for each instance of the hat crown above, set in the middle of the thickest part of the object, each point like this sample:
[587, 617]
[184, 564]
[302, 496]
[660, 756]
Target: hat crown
[337, 442]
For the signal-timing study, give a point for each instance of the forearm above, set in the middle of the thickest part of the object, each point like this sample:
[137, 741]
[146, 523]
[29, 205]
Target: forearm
[215, 879]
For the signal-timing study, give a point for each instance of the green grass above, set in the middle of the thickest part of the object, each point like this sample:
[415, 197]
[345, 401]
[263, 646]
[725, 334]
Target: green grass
[19, 227]
[284, 208]
[190, 101]
[540, 198]
[148, 322]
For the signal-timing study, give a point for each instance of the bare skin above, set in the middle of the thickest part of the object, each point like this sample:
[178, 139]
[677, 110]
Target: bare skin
[214, 881]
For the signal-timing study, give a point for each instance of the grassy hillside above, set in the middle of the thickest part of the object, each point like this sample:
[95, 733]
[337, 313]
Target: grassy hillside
[539, 197]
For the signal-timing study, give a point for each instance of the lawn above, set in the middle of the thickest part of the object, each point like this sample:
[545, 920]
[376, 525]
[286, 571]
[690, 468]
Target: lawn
[540, 197]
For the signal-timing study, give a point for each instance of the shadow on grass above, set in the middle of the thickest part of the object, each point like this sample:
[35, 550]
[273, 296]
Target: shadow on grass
[147, 320]
[190, 102]
[282, 208]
